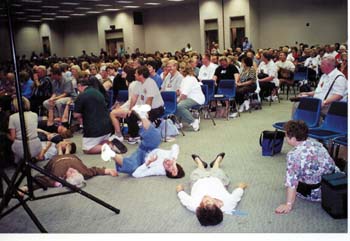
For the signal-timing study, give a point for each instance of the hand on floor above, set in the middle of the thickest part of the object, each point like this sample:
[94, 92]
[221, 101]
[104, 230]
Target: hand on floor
[111, 172]
[283, 209]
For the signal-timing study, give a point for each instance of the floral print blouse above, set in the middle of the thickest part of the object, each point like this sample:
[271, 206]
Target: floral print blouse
[306, 163]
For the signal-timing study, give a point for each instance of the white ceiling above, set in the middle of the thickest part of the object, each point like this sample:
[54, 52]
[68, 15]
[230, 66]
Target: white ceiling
[53, 10]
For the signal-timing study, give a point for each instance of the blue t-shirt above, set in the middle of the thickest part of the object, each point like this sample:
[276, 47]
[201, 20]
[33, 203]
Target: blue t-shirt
[158, 80]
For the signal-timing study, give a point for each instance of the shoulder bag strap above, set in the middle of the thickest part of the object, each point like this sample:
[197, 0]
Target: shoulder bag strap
[331, 86]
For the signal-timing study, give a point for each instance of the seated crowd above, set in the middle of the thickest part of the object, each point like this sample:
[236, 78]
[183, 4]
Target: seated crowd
[58, 92]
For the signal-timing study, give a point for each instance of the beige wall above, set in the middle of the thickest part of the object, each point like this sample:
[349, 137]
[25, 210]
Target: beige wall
[80, 35]
[269, 23]
[27, 39]
[210, 9]
[121, 20]
[284, 22]
[170, 29]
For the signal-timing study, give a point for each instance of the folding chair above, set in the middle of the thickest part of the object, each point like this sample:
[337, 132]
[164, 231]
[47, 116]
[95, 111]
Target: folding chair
[335, 123]
[227, 92]
[206, 104]
[170, 107]
[309, 110]
[123, 96]
[336, 143]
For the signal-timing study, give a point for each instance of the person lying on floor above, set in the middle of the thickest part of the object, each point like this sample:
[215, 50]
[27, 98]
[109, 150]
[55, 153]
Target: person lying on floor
[70, 168]
[51, 149]
[147, 160]
[209, 197]
[306, 163]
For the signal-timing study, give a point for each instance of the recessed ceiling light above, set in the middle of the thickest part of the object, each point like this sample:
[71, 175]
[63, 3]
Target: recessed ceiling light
[152, 4]
[112, 9]
[34, 21]
[93, 12]
[53, 7]
[49, 14]
[82, 8]
[33, 10]
[19, 12]
[16, 5]
[69, 3]
[124, 1]
[62, 16]
[130, 6]
[66, 11]
[175, 0]
[78, 14]
[31, 1]
[47, 19]
[103, 5]
[21, 18]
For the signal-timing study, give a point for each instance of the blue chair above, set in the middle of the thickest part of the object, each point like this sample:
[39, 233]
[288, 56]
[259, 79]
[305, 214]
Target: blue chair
[226, 92]
[335, 123]
[123, 96]
[309, 110]
[111, 97]
[211, 88]
[206, 104]
[170, 107]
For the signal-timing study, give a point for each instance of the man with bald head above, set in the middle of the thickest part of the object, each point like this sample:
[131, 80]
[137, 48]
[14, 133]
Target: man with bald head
[337, 90]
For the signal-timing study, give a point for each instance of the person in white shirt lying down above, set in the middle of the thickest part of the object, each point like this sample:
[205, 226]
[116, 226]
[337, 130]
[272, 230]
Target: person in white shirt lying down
[158, 161]
[209, 197]
[148, 159]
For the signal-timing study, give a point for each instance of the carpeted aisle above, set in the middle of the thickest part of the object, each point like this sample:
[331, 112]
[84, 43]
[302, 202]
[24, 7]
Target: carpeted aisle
[150, 204]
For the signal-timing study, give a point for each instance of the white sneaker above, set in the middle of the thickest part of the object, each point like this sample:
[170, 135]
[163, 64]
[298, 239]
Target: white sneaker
[195, 125]
[142, 110]
[233, 115]
[246, 104]
[114, 136]
[274, 98]
[107, 153]
[268, 98]
[241, 108]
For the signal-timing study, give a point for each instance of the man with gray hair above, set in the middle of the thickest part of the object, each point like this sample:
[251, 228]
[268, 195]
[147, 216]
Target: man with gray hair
[70, 168]
[173, 80]
[333, 85]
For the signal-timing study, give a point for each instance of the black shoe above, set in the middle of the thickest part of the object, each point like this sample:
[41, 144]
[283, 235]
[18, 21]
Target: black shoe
[120, 148]
[194, 158]
[222, 154]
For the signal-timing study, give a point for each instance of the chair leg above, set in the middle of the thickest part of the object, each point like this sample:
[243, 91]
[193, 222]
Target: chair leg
[177, 121]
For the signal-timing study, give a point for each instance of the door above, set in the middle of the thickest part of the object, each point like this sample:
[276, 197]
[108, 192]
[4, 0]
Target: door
[46, 46]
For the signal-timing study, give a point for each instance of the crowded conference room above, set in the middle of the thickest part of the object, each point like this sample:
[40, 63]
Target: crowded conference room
[174, 116]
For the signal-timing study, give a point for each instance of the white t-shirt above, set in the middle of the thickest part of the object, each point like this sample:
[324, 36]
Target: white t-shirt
[172, 83]
[192, 89]
[150, 89]
[312, 63]
[270, 69]
[207, 73]
[134, 89]
[156, 168]
[31, 123]
[285, 65]
[214, 188]
[340, 86]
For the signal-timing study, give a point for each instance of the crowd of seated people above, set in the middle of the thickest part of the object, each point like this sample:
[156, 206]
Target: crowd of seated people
[51, 78]
[54, 87]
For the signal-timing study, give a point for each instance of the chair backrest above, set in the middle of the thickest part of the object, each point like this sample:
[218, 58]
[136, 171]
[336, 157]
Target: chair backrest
[170, 103]
[123, 96]
[337, 117]
[300, 75]
[206, 93]
[309, 110]
[211, 87]
[227, 87]
[111, 96]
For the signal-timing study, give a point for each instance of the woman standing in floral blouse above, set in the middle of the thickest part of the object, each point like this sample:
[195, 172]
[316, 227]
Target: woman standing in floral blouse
[306, 163]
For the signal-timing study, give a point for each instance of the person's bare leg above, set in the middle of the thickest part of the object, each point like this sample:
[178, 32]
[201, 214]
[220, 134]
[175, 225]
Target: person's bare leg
[199, 162]
[115, 121]
[217, 162]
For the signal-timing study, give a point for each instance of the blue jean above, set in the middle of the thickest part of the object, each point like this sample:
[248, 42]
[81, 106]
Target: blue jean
[150, 140]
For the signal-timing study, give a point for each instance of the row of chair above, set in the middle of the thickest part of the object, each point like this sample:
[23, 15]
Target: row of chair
[334, 126]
